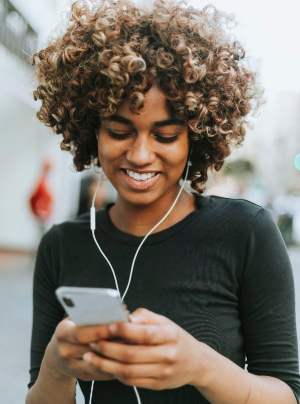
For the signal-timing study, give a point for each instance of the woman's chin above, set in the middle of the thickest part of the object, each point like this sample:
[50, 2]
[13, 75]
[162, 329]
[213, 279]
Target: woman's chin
[138, 200]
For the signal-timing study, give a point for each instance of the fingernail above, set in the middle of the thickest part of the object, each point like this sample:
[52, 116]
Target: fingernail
[87, 357]
[132, 318]
[113, 328]
[93, 345]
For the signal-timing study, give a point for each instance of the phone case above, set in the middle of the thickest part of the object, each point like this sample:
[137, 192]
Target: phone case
[92, 306]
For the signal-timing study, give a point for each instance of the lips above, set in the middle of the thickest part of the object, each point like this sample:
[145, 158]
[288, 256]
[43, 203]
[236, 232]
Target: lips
[140, 185]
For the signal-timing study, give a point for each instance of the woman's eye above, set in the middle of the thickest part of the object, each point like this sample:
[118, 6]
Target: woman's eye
[164, 139]
[159, 138]
[118, 135]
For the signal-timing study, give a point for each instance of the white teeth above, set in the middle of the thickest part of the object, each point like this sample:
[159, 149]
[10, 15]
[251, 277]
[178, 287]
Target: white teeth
[139, 177]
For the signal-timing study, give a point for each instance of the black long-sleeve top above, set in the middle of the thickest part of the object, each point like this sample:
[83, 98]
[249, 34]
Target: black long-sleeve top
[222, 273]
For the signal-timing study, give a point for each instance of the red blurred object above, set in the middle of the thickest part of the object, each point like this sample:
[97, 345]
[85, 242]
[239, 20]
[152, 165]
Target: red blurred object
[41, 201]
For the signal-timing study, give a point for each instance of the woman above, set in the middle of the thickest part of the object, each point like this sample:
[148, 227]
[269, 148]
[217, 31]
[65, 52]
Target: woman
[212, 287]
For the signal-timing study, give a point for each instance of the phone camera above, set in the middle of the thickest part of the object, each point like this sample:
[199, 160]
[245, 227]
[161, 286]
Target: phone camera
[68, 301]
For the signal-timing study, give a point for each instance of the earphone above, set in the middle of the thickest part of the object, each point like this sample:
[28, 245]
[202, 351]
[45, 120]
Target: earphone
[93, 228]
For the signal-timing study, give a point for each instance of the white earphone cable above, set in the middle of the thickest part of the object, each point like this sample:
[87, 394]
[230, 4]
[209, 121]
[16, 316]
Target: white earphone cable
[93, 227]
[91, 392]
[145, 238]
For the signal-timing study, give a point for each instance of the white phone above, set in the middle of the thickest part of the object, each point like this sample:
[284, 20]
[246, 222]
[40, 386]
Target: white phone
[92, 306]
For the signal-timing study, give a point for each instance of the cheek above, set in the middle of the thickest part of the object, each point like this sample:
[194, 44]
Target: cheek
[108, 152]
[177, 158]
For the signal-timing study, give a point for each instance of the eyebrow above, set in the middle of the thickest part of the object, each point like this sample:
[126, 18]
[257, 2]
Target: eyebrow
[158, 124]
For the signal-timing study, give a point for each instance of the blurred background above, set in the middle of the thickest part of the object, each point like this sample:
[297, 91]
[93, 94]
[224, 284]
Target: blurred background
[40, 187]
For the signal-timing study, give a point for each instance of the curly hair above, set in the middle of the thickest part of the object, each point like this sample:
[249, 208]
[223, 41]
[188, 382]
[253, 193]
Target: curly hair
[111, 50]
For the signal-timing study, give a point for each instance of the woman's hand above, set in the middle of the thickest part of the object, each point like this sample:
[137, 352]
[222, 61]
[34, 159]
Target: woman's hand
[160, 354]
[67, 347]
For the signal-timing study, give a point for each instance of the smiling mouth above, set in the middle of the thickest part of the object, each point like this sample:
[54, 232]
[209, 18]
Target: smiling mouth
[140, 176]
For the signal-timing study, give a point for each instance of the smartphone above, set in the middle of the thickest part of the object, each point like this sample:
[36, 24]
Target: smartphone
[92, 306]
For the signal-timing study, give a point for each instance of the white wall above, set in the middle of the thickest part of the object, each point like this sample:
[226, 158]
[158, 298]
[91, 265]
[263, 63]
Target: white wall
[24, 144]
[39, 14]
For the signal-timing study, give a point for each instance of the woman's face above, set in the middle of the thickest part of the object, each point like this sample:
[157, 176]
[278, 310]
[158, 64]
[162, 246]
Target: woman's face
[144, 155]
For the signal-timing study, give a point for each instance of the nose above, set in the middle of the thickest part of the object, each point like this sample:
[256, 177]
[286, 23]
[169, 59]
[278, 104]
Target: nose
[141, 152]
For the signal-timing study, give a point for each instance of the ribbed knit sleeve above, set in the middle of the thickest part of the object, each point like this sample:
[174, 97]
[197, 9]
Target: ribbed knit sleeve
[267, 305]
[47, 312]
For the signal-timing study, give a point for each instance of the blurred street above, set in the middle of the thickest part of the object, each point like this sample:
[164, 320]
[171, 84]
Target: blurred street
[15, 316]
[15, 312]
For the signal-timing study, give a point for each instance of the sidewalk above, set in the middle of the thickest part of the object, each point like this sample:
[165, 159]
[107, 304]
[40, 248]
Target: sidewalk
[15, 318]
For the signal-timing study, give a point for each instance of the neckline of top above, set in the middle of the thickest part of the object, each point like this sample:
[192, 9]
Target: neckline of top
[105, 225]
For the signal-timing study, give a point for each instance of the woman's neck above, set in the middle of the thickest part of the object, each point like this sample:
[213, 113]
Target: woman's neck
[139, 220]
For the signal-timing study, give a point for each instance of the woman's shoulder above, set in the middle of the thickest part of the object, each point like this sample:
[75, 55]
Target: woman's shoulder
[76, 227]
[234, 212]
[78, 223]
[237, 206]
